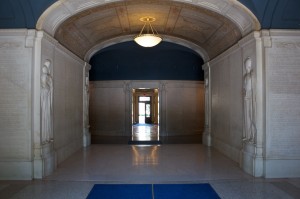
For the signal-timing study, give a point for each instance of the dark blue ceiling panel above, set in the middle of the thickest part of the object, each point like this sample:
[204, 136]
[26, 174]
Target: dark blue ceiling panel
[281, 14]
[271, 13]
[22, 13]
[39, 6]
[128, 61]
[286, 15]
[12, 15]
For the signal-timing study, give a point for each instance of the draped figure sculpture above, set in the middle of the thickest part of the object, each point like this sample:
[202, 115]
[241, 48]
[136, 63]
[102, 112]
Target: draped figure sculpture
[206, 86]
[46, 102]
[249, 106]
[86, 103]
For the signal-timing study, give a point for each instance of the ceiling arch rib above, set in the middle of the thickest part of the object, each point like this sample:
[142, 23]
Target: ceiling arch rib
[212, 25]
[126, 38]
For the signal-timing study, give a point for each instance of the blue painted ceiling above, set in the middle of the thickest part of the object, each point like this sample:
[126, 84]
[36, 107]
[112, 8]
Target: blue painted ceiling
[129, 61]
[282, 14]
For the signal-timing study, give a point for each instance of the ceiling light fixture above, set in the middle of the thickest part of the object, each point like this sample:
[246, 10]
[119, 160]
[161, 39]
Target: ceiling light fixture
[150, 38]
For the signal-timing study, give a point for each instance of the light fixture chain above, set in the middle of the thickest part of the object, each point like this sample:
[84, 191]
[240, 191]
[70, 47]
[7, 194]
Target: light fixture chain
[142, 30]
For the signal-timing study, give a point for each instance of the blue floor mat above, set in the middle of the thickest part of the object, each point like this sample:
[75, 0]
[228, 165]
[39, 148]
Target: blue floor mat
[121, 191]
[157, 191]
[184, 191]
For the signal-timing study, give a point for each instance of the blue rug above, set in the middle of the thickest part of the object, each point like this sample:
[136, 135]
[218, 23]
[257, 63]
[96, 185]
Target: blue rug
[146, 191]
[121, 191]
[184, 191]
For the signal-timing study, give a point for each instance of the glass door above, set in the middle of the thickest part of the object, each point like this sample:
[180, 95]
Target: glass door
[148, 119]
[145, 110]
[142, 110]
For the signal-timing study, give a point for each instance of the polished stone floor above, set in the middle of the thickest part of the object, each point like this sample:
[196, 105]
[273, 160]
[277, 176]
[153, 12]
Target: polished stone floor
[145, 132]
[174, 163]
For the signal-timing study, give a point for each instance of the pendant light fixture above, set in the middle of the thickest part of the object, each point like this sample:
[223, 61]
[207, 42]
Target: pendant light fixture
[148, 36]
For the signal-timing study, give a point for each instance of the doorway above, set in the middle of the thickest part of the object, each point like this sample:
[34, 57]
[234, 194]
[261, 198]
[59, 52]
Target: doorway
[145, 114]
[144, 111]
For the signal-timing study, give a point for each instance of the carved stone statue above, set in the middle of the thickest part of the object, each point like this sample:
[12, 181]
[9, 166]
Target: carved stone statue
[86, 103]
[46, 102]
[249, 109]
[206, 86]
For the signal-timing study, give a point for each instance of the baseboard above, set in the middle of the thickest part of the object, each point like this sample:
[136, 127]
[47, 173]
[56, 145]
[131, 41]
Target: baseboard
[276, 168]
[226, 149]
[64, 152]
[10, 170]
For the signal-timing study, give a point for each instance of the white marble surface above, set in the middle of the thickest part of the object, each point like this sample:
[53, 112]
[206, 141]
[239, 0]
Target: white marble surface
[15, 104]
[68, 78]
[173, 164]
[283, 104]
[226, 102]
[147, 164]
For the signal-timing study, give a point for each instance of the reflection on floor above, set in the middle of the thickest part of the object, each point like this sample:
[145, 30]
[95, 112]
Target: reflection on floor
[175, 163]
[150, 132]
[145, 132]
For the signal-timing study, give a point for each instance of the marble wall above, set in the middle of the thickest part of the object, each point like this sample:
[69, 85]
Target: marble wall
[184, 108]
[282, 103]
[16, 51]
[274, 150]
[107, 108]
[226, 73]
[181, 107]
[68, 81]
[24, 153]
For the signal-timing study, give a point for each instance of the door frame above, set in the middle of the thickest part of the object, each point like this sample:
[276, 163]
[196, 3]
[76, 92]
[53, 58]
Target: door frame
[128, 89]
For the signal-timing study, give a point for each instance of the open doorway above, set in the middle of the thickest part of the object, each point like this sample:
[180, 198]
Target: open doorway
[145, 114]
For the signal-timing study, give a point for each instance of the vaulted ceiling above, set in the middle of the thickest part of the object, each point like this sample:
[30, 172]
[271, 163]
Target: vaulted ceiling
[203, 27]
[86, 26]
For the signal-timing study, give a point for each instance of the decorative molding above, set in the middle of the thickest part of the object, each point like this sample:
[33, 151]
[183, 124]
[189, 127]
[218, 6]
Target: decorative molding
[266, 39]
[87, 67]
[7, 44]
[29, 41]
[249, 38]
[13, 32]
[206, 66]
[283, 33]
[48, 38]
[204, 55]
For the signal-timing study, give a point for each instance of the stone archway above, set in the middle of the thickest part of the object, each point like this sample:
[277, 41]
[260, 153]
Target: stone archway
[209, 27]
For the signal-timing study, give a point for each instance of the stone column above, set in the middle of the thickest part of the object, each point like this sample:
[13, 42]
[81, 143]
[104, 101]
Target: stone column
[86, 97]
[206, 137]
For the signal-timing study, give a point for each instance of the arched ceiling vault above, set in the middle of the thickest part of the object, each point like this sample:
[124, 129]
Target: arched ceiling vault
[207, 26]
